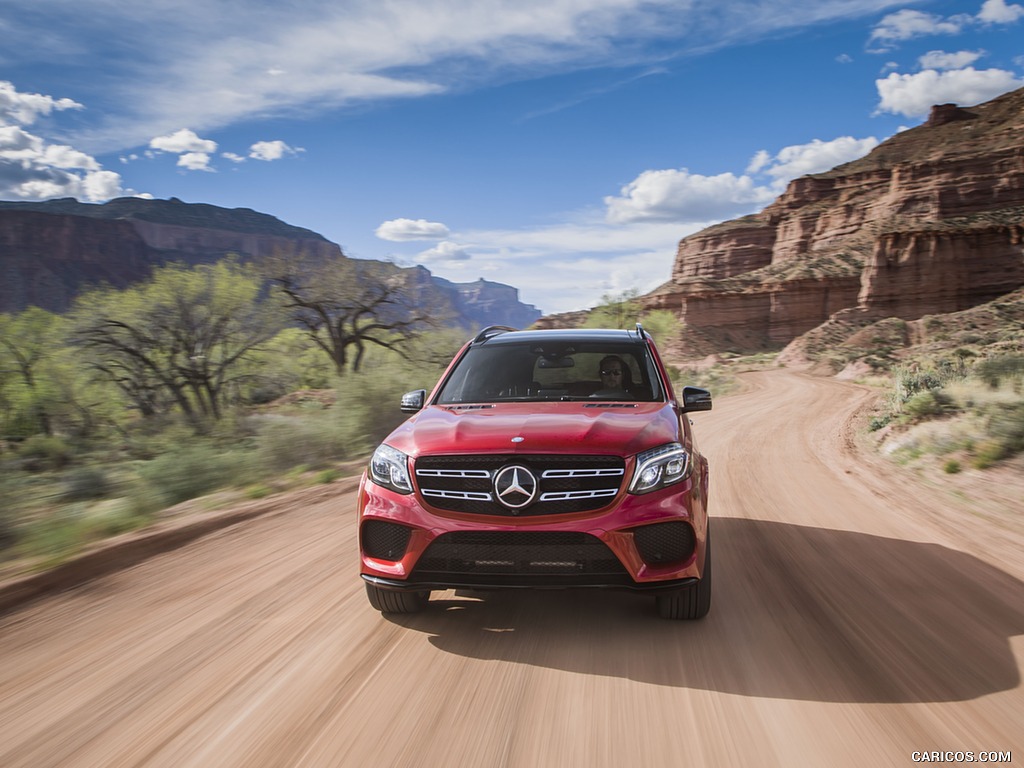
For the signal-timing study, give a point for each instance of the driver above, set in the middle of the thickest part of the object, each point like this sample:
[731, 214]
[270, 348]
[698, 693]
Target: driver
[614, 374]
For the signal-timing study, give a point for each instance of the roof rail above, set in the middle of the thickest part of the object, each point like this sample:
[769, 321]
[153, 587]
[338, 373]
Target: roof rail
[492, 331]
[640, 330]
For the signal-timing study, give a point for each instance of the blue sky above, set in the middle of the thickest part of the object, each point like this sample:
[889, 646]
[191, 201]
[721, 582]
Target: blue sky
[561, 146]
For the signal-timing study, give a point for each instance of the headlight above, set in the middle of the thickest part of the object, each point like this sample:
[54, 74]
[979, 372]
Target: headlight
[390, 468]
[658, 467]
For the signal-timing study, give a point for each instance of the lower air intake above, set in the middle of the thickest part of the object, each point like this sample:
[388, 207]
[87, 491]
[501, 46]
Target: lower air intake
[521, 557]
[385, 541]
[664, 543]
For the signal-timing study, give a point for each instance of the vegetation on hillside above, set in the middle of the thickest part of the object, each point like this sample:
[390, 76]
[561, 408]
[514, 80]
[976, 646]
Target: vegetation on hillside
[145, 397]
[966, 412]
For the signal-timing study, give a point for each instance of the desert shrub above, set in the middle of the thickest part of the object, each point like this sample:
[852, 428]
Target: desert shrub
[987, 453]
[114, 516]
[144, 499]
[85, 483]
[877, 422]
[288, 442]
[951, 467]
[908, 382]
[328, 476]
[1006, 426]
[257, 491]
[55, 536]
[367, 408]
[995, 371]
[927, 403]
[191, 471]
[45, 452]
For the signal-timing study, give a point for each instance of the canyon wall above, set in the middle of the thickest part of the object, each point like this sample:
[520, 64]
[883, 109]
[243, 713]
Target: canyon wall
[931, 221]
[52, 251]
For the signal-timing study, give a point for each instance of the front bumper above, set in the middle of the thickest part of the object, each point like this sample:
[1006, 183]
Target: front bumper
[608, 548]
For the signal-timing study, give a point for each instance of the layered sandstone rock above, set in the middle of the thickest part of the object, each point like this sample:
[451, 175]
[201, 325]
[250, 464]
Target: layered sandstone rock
[52, 251]
[931, 221]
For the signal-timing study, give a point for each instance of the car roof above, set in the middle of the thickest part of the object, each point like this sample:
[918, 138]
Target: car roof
[499, 335]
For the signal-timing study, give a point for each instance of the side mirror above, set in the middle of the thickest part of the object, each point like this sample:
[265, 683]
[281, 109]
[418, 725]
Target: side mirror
[695, 399]
[413, 401]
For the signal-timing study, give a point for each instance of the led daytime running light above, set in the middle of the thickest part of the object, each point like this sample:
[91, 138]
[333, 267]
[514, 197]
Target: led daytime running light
[659, 467]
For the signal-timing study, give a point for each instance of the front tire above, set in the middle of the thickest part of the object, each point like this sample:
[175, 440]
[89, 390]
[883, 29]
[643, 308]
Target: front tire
[389, 601]
[693, 602]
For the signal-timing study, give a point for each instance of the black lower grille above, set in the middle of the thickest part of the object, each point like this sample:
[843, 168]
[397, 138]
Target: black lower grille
[662, 543]
[524, 557]
[385, 541]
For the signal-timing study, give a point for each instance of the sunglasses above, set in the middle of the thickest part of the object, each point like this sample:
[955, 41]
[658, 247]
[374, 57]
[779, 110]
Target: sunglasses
[611, 373]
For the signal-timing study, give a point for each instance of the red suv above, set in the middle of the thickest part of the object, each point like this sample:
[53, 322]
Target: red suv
[542, 459]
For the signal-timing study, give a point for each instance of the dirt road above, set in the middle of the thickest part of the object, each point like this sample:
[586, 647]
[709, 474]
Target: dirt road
[856, 620]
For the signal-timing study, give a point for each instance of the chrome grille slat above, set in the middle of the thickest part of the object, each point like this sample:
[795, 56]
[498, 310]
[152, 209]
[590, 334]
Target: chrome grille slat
[453, 473]
[583, 472]
[468, 495]
[564, 495]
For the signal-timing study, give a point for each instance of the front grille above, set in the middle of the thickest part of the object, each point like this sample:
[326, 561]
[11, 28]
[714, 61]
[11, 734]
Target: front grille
[566, 484]
[662, 543]
[385, 541]
[519, 557]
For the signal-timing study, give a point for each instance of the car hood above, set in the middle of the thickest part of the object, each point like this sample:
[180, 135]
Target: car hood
[557, 427]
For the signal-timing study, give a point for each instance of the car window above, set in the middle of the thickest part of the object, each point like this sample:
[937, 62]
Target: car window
[532, 371]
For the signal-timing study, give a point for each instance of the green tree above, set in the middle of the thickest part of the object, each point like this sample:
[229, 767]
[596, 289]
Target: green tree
[179, 338]
[661, 324]
[625, 310]
[347, 306]
[616, 310]
[288, 362]
[28, 342]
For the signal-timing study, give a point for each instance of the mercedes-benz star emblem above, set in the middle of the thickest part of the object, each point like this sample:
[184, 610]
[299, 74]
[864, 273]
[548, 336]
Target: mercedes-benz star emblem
[515, 486]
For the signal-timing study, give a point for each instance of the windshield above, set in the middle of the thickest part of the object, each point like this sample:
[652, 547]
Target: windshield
[539, 371]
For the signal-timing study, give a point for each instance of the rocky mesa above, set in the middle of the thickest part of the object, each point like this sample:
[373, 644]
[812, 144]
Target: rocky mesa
[930, 222]
[50, 251]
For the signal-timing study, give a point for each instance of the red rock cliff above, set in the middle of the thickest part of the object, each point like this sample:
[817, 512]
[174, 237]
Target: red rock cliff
[930, 221]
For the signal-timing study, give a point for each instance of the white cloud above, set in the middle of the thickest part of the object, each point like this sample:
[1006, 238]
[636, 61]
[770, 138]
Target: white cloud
[914, 95]
[32, 169]
[271, 150]
[68, 158]
[193, 152]
[998, 12]
[195, 161]
[168, 64]
[683, 197]
[183, 141]
[232, 157]
[908, 24]
[399, 230]
[14, 139]
[443, 252]
[759, 161]
[814, 157]
[102, 185]
[25, 108]
[943, 60]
